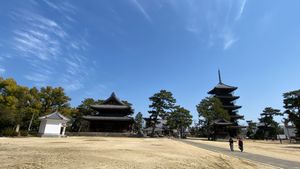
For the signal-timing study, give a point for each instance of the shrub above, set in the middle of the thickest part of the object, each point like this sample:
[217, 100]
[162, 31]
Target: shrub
[23, 133]
[9, 132]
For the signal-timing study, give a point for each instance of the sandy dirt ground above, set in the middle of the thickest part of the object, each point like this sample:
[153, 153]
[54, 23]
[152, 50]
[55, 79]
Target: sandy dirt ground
[111, 152]
[269, 148]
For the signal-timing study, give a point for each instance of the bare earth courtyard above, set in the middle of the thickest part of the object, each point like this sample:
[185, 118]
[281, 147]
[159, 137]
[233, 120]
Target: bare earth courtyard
[111, 152]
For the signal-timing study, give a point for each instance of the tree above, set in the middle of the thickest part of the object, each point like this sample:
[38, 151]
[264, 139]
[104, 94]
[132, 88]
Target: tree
[21, 106]
[211, 109]
[85, 107]
[162, 104]
[54, 99]
[292, 105]
[269, 127]
[17, 105]
[180, 119]
[138, 123]
[250, 129]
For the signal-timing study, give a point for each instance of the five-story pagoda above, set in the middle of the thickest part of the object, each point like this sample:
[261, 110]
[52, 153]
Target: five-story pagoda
[226, 95]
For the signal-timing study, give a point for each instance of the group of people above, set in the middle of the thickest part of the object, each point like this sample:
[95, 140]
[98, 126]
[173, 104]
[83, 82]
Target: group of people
[240, 143]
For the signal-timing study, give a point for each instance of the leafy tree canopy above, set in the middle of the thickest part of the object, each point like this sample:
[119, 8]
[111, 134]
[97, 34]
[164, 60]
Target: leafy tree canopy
[210, 109]
[138, 123]
[179, 118]
[292, 105]
[162, 104]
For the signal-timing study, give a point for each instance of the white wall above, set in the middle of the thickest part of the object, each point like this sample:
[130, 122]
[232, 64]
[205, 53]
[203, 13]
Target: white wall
[50, 127]
[42, 126]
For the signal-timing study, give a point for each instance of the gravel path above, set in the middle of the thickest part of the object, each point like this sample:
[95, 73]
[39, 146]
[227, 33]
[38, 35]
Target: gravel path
[253, 157]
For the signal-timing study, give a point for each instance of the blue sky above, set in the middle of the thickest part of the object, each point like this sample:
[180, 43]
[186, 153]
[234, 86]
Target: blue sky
[137, 47]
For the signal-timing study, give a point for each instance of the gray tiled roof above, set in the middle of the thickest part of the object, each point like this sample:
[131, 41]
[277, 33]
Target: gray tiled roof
[56, 115]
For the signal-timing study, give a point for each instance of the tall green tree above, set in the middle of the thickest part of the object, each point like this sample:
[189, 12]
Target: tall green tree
[85, 107]
[162, 104]
[8, 103]
[18, 103]
[292, 105]
[54, 99]
[250, 129]
[180, 119]
[269, 127]
[211, 109]
[138, 123]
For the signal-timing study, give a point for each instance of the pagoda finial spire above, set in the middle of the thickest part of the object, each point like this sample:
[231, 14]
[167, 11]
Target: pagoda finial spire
[219, 73]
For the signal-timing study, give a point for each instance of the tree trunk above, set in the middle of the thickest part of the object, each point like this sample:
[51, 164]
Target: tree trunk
[153, 130]
[30, 122]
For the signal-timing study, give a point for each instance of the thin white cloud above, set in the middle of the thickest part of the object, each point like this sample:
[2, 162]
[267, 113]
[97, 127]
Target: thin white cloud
[192, 29]
[229, 40]
[242, 4]
[2, 70]
[142, 10]
[95, 91]
[37, 77]
[54, 56]
[63, 7]
[36, 43]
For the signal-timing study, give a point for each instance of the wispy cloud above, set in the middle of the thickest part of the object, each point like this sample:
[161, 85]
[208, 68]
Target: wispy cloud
[37, 77]
[36, 43]
[141, 9]
[95, 91]
[55, 54]
[2, 70]
[242, 4]
[229, 40]
[212, 21]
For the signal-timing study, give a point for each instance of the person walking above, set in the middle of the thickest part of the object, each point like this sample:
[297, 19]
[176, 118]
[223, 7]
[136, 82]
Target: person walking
[231, 143]
[241, 144]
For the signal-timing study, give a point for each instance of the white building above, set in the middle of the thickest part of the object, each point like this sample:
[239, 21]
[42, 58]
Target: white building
[53, 125]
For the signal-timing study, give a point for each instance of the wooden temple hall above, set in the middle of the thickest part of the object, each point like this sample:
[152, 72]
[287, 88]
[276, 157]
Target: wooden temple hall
[112, 116]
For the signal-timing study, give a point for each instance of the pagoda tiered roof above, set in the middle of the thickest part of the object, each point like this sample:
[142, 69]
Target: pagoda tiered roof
[228, 97]
[221, 87]
[225, 94]
[113, 103]
[237, 116]
[221, 122]
[231, 107]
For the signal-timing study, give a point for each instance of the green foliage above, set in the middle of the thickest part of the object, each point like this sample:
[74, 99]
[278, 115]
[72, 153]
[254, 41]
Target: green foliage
[138, 123]
[250, 129]
[53, 99]
[210, 109]
[24, 133]
[84, 108]
[179, 119]
[292, 105]
[9, 132]
[22, 106]
[270, 128]
[162, 104]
